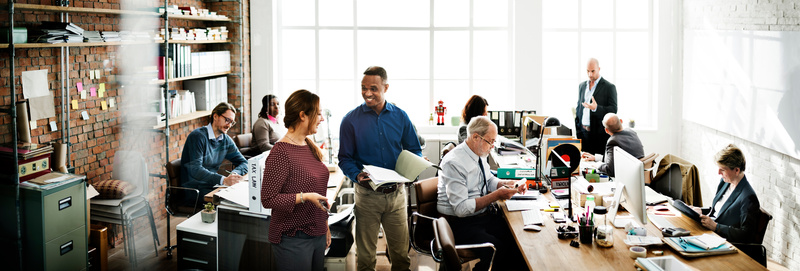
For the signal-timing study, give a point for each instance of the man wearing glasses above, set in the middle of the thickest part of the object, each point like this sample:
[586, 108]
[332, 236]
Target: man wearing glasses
[206, 148]
[466, 195]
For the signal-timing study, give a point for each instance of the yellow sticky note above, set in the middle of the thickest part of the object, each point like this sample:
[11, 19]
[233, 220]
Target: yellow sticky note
[102, 89]
[74, 104]
[103, 103]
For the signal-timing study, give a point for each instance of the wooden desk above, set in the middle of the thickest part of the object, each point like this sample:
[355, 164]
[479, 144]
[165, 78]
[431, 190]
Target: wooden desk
[544, 251]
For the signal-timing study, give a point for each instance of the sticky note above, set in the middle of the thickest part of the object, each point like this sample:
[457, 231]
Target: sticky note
[103, 104]
[93, 91]
[84, 115]
[53, 126]
[102, 89]
[111, 102]
[91, 74]
[80, 86]
[83, 95]
[74, 104]
[98, 73]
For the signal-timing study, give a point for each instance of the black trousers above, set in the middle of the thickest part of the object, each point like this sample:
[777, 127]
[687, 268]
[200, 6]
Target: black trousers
[493, 229]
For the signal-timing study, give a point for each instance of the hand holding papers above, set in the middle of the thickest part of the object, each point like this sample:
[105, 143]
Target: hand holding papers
[407, 168]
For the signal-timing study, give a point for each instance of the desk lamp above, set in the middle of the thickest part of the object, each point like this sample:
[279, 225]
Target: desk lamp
[549, 122]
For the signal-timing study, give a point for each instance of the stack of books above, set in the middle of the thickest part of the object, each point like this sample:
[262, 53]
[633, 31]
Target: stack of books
[92, 36]
[25, 150]
[56, 32]
[109, 36]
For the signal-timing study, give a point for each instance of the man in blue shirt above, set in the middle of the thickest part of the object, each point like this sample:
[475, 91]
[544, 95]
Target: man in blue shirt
[375, 133]
[206, 148]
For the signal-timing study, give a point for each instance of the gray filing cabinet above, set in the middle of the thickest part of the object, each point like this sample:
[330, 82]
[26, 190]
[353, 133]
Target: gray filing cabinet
[53, 224]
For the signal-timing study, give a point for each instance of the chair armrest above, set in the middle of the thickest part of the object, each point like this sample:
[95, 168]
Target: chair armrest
[422, 216]
[196, 197]
[473, 246]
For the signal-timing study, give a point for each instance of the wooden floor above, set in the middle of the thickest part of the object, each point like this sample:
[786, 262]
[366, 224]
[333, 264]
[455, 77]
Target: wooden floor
[147, 259]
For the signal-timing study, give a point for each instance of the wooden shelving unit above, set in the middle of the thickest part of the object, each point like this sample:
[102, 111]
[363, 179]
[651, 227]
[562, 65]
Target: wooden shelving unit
[192, 77]
[110, 43]
[183, 118]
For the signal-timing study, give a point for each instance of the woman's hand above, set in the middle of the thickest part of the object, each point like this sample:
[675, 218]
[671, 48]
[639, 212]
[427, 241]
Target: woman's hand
[318, 200]
[328, 239]
[708, 222]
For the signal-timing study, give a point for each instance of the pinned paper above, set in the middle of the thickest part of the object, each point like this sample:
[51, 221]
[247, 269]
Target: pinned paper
[85, 115]
[74, 104]
[103, 104]
[111, 102]
[102, 89]
[83, 95]
[98, 73]
[93, 91]
[34, 84]
[80, 86]
[53, 126]
[91, 74]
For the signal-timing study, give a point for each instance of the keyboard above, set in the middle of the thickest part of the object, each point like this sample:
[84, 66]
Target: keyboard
[659, 221]
[531, 217]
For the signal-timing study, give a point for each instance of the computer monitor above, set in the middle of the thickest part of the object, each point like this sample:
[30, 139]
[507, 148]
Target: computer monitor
[630, 171]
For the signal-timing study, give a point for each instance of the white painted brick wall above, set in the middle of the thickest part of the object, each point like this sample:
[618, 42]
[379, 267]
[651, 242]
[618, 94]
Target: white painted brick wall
[775, 176]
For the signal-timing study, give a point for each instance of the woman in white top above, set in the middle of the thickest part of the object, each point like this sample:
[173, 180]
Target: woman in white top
[267, 130]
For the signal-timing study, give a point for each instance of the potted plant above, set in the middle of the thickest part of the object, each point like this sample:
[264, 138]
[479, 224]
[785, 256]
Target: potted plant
[208, 213]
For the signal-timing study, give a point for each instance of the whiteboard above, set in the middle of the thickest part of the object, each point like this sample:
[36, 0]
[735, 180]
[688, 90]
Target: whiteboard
[745, 83]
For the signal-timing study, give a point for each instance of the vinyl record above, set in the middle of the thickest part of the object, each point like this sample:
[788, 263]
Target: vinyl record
[566, 155]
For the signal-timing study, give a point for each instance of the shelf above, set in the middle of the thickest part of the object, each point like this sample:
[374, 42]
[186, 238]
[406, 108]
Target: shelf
[199, 18]
[83, 10]
[184, 118]
[110, 43]
[35, 7]
[192, 77]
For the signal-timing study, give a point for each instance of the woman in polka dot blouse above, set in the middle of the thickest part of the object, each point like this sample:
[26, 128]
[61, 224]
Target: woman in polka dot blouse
[294, 181]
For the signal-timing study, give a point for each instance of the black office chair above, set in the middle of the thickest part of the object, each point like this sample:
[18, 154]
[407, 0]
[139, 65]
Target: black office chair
[669, 184]
[447, 253]
[421, 221]
[757, 251]
[176, 203]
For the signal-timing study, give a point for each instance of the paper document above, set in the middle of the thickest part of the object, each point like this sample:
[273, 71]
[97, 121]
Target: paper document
[654, 197]
[237, 193]
[519, 205]
[407, 168]
[336, 217]
[706, 241]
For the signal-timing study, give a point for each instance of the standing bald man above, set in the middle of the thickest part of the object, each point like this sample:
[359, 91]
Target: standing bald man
[596, 98]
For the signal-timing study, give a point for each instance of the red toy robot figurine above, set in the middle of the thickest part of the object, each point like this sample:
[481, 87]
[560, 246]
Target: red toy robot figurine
[440, 111]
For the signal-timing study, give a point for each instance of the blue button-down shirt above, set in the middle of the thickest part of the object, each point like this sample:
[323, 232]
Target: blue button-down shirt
[367, 138]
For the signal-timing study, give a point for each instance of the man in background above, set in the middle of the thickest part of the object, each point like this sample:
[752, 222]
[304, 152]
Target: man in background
[626, 139]
[596, 98]
[205, 150]
[374, 133]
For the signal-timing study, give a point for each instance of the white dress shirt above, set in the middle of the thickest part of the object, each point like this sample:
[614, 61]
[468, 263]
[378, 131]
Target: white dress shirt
[460, 182]
[587, 98]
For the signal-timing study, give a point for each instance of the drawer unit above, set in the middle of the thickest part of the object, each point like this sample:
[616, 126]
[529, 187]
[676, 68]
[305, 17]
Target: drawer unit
[67, 252]
[196, 251]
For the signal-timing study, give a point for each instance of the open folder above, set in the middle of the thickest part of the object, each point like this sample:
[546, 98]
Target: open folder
[407, 168]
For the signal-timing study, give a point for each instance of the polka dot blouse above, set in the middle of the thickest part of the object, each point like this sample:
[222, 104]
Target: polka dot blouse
[289, 170]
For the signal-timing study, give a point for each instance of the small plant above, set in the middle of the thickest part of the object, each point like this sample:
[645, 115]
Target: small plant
[209, 207]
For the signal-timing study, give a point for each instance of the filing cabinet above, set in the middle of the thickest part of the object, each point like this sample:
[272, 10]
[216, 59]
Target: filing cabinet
[197, 244]
[53, 225]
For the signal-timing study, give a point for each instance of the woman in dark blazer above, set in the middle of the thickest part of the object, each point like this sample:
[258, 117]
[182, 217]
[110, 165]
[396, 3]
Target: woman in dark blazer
[735, 210]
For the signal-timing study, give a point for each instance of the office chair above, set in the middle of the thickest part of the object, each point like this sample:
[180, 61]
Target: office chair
[447, 253]
[175, 199]
[669, 184]
[243, 143]
[131, 167]
[421, 221]
[649, 162]
[756, 250]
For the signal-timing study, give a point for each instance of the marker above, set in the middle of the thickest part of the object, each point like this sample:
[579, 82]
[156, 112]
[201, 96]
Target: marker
[550, 210]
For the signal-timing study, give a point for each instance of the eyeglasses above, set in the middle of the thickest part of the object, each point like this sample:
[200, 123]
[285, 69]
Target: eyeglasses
[228, 121]
[487, 141]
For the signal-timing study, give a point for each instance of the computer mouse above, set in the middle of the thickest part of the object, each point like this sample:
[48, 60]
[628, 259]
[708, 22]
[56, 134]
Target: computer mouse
[532, 228]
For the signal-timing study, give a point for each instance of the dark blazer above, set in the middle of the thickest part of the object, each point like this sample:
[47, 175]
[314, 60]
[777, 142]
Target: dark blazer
[605, 94]
[737, 220]
[627, 140]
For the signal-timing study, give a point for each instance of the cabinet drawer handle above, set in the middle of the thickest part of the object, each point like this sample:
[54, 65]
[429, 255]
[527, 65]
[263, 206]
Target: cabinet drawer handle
[66, 247]
[65, 203]
[205, 243]
[195, 260]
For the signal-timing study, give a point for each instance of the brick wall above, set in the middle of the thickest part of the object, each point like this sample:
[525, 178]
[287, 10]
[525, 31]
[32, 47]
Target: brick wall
[95, 141]
[774, 175]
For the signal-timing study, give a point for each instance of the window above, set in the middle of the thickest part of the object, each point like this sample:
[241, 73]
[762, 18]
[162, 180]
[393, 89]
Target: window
[619, 33]
[432, 50]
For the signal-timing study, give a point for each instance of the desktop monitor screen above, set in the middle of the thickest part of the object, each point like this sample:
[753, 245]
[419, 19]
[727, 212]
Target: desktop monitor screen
[630, 172]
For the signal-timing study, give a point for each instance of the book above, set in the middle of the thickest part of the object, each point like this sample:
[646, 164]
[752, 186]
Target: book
[406, 169]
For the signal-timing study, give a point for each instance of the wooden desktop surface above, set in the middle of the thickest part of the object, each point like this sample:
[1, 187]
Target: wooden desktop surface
[337, 176]
[544, 251]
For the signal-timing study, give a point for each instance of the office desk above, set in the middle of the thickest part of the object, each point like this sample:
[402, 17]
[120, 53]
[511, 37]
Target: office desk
[544, 251]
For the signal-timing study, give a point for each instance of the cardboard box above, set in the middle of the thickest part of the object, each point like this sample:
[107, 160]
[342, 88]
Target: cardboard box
[98, 238]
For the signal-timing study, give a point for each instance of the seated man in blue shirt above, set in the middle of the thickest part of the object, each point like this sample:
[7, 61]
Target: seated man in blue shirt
[374, 133]
[206, 148]
[466, 195]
